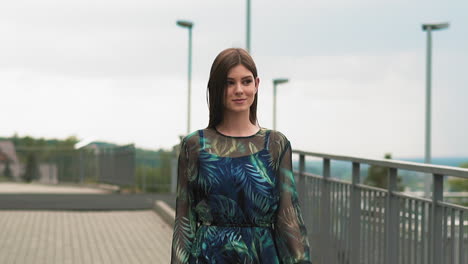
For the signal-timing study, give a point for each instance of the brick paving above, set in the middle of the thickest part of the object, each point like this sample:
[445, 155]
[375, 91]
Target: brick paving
[62, 237]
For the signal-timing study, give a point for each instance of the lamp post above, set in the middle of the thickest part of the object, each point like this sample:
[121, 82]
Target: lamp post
[247, 37]
[189, 25]
[427, 155]
[275, 83]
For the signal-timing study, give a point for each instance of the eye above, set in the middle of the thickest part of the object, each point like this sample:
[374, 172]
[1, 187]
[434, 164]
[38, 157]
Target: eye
[247, 82]
[229, 82]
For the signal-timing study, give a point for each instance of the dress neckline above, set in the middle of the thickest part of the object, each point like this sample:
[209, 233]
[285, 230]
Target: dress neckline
[239, 157]
[253, 135]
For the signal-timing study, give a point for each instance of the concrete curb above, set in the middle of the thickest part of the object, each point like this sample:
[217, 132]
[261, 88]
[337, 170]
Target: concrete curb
[165, 212]
[101, 186]
[109, 187]
[62, 188]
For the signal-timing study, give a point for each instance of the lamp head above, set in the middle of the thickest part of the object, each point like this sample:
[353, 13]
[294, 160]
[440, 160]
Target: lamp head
[184, 23]
[435, 26]
[280, 81]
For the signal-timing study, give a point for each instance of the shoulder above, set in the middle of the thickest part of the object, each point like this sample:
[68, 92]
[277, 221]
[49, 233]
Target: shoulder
[191, 141]
[277, 137]
[277, 140]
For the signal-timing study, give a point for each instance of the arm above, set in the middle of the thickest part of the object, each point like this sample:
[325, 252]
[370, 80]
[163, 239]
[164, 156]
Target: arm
[185, 222]
[290, 232]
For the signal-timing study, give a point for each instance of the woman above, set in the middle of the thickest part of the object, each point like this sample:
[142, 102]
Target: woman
[236, 196]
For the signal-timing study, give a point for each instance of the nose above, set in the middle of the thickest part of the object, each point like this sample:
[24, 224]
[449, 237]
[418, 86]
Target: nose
[238, 89]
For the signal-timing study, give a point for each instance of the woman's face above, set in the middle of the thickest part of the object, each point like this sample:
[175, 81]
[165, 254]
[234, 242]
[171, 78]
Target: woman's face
[241, 88]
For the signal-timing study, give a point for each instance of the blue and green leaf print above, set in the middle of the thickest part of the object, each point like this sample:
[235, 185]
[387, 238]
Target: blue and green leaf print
[250, 180]
[238, 202]
[209, 171]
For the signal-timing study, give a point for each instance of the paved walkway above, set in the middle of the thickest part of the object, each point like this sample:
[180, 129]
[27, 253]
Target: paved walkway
[62, 224]
[62, 237]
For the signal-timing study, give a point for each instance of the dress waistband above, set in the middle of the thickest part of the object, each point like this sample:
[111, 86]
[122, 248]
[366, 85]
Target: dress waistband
[269, 225]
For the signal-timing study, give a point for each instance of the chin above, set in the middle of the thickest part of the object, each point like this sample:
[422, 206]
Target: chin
[238, 109]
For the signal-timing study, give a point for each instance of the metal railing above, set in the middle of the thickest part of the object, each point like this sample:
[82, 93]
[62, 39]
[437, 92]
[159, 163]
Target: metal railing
[353, 223]
[124, 166]
[51, 165]
[156, 174]
[117, 165]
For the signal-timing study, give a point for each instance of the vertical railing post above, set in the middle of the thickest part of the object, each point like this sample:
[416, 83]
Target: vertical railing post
[301, 164]
[301, 183]
[97, 164]
[325, 208]
[173, 174]
[81, 162]
[143, 173]
[437, 218]
[391, 219]
[355, 215]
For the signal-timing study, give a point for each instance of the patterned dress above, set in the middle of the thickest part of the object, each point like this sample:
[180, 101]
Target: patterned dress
[237, 201]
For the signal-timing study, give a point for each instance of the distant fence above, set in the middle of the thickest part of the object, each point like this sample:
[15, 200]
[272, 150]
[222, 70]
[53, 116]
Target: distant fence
[142, 170]
[352, 223]
[156, 173]
[117, 165]
[113, 165]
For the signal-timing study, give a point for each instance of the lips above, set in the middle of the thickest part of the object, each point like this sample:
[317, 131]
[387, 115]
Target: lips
[239, 101]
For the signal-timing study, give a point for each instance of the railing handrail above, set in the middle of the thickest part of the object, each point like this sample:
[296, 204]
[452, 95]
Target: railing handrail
[397, 164]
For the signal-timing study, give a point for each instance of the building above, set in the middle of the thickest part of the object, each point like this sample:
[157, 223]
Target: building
[9, 160]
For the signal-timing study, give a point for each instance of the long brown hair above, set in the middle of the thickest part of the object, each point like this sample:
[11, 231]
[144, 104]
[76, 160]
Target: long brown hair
[224, 62]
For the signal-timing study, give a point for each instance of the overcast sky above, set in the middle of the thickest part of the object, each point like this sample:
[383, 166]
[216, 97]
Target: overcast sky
[117, 70]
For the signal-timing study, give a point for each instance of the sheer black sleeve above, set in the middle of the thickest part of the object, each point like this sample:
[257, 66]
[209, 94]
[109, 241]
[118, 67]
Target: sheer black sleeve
[185, 222]
[290, 232]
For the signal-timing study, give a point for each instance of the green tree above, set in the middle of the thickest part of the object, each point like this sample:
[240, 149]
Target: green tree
[459, 184]
[377, 176]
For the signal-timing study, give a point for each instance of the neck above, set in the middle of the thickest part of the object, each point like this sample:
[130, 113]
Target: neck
[237, 124]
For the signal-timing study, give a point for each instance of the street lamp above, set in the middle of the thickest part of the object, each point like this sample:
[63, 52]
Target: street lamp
[427, 157]
[189, 25]
[276, 82]
[247, 37]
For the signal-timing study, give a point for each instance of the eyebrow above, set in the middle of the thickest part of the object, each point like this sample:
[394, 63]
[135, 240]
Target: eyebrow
[243, 78]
